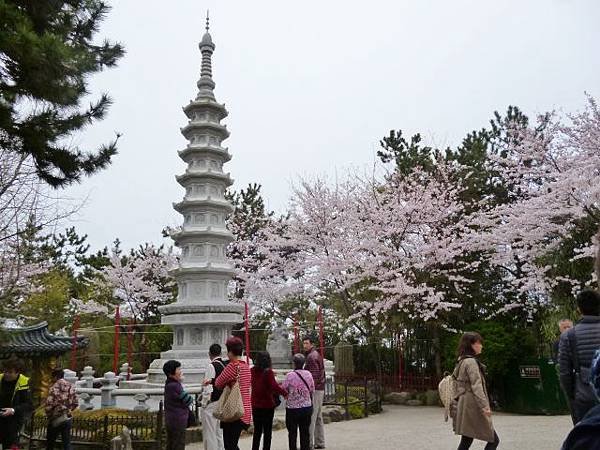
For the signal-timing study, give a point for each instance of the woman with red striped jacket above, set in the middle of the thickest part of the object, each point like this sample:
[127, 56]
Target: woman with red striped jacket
[232, 430]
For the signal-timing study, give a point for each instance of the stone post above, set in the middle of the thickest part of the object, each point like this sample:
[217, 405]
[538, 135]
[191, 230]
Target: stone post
[71, 376]
[124, 372]
[123, 441]
[87, 374]
[344, 359]
[109, 384]
[87, 402]
[141, 398]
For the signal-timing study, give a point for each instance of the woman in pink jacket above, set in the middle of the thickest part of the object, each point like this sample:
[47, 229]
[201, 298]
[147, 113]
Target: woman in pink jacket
[300, 386]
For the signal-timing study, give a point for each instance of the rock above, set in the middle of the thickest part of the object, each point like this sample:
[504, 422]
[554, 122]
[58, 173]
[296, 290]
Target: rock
[333, 413]
[278, 424]
[414, 403]
[193, 434]
[397, 398]
[432, 398]
[327, 419]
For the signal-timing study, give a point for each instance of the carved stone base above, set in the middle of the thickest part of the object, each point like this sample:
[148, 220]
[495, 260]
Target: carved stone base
[193, 370]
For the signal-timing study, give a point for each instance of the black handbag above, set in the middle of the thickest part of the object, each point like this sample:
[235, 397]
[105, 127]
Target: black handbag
[192, 422]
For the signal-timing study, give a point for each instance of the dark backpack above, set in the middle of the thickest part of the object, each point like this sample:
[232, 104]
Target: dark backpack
[219, 366]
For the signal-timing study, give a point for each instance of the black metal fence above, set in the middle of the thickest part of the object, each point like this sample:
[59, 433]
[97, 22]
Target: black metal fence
[96, 432]
[357, 395]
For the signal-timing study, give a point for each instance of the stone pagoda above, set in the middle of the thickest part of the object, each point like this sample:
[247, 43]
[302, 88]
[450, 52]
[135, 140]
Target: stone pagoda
[202, 314]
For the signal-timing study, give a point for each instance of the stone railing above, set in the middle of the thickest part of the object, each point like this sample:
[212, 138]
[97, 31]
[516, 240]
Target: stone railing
[109, 392]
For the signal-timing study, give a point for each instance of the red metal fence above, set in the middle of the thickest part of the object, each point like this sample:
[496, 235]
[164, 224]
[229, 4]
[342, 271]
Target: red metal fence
[409, 366]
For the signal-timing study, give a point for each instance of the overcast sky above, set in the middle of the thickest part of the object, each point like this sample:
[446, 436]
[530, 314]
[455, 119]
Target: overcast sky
[312, 86]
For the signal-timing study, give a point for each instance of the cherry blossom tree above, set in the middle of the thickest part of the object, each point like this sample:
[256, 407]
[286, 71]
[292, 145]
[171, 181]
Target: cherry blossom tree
[399, 243]
[25, 203]
[140, 282]
[247, 223]
[374, 244]
[554, 166]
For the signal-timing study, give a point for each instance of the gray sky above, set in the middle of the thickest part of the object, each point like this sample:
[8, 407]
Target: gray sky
[312, 86]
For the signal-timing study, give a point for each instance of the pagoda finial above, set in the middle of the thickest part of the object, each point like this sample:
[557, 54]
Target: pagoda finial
[207, 47]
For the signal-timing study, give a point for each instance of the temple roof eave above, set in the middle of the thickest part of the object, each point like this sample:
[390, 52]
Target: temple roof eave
[183, 308]
[206, 269]
[185, 205]
[185, 236]
[36, 341]
[201, 104]
[199, 149]
[190, 127]
[198, 176]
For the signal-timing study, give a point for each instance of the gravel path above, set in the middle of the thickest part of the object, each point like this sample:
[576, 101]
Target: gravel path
[423, 428]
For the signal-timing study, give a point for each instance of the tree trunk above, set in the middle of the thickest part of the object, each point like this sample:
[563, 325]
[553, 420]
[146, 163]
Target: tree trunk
[597, 263]
[437, 351]
[144, 360]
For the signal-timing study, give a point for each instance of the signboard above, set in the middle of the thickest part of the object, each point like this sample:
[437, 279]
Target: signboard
[530, 372]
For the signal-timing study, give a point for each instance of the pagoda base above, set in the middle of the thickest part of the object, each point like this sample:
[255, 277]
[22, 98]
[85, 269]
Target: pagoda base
[193, 370]
[195, 328]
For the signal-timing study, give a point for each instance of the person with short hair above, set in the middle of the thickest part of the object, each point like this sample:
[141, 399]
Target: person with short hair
[265, 390]
[212, 434]
[471, 412]
[316, 366]
[300, 388]
[61, 400]
[236, 369]
[563, 325]
[576, 350]
[584, 436]
[15, 401]
[177, 404]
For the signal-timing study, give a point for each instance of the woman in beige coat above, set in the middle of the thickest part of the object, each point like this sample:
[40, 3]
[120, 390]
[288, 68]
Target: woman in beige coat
[473, 417]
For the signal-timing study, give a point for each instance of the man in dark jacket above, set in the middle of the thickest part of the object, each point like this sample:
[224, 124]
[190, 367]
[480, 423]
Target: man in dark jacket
[563, 325]
[15, 402]
[576, 350]
[585, 434]
[177, 406]
[212, 434]
[316, 366]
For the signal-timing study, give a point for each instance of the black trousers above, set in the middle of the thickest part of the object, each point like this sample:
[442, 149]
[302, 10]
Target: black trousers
[231, 434]
[263, 425]
[298, 419]
[465, 443]
[64, 431]
[175, 438]
[9, 431]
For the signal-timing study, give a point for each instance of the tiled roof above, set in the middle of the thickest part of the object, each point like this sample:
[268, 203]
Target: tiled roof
[36, 340]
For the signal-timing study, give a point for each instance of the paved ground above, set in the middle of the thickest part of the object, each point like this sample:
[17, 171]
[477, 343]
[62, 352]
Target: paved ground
[423, 428]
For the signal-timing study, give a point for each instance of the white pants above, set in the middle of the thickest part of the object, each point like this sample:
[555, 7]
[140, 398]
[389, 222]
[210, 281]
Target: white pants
[212, 434]
[317, 432]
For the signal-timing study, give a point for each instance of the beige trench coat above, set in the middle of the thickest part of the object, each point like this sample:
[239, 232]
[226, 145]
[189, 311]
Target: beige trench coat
[469, 419]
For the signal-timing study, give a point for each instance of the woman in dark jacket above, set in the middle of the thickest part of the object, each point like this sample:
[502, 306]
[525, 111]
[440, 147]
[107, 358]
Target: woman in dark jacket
[264, 392]
[177, 406]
